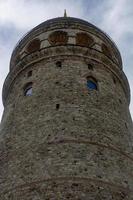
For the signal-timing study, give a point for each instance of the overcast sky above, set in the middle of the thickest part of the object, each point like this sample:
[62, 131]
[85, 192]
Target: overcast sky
[115, 17]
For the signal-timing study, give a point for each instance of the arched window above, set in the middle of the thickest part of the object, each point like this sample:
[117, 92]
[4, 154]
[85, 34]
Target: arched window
[58, 64]
[90, 66]
[58, 38]
[28, 89]
[34, 45]
[91, 83]
[84, 39]
[29, 73]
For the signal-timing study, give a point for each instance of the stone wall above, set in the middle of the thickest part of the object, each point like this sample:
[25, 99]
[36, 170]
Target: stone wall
[66, 141]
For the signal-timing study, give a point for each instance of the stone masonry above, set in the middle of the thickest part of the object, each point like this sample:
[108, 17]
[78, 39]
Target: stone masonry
[66, 141]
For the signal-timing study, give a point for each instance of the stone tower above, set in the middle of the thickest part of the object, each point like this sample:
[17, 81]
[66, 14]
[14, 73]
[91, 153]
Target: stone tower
[66, 131]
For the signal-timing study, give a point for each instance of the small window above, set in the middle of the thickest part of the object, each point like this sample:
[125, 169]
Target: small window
[114, 80]
[34, 45]
[58, 64]
[29, 74]
[126, 125]
[91, 84]
[120, 101]
[28, 89]
[57, 106]
[84, 39]
[58, 38]
[90, 67]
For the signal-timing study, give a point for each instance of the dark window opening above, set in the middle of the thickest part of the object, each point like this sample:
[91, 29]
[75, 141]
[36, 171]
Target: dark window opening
[114, 80]
[58, 64]
[34, 45]
[90, 67]
[75, 161]
[28, 89]
[91, 83]
[126, 125]
[57, 82]
[29, 74]
[120, 101]
[57, 106]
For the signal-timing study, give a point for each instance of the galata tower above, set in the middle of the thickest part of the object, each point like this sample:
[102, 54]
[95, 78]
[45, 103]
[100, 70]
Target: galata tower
[66, 131]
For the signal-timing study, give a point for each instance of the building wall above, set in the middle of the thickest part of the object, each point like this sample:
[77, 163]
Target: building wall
[65, 141]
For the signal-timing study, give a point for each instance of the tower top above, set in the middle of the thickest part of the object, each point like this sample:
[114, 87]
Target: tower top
[65, 13]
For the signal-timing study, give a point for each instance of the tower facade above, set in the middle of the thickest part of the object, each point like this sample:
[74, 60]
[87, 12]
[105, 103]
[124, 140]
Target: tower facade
[66, 130]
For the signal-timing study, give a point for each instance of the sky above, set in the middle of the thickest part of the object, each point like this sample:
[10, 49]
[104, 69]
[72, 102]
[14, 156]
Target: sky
[115, 17]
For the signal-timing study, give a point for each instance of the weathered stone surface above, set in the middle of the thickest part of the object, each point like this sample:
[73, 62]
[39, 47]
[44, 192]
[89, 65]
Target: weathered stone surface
[65, 141]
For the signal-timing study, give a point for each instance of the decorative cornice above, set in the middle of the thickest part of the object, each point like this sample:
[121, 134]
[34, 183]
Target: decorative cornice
[64, 23]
